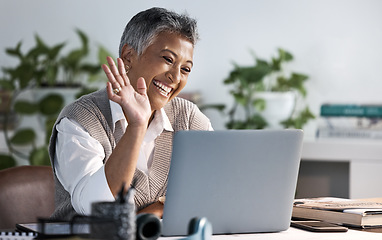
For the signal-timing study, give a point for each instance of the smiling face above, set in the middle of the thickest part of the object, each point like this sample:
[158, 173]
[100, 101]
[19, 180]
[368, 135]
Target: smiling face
[165, 66]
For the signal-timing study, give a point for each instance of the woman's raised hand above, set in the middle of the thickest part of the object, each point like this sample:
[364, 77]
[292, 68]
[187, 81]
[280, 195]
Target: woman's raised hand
[135, 103]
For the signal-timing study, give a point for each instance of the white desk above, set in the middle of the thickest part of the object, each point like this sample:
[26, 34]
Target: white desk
[297, 234]
[364, 158]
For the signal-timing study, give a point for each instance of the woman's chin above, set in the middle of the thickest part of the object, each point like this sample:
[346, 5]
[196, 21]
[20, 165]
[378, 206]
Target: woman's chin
[157, 104]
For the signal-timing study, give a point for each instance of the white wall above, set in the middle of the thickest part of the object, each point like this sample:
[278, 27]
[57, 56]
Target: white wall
[336, 42]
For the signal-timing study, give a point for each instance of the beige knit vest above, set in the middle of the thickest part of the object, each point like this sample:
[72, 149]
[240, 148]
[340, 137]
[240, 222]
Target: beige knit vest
[94, 114]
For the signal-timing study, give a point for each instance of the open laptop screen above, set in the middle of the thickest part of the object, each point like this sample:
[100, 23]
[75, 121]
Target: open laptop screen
[241, 180]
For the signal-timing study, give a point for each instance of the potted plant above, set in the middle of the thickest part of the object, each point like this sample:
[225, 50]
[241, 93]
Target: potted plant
[265, 96]
[45, 76]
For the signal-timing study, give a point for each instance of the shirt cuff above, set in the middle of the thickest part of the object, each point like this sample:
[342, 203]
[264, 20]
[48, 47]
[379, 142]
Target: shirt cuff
[95, 189]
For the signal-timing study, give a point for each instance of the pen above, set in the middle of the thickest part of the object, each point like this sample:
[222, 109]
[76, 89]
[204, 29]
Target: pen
[129, 196]
[121, 195]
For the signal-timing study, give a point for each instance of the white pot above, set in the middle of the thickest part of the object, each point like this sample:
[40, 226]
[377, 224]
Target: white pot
[279, 107]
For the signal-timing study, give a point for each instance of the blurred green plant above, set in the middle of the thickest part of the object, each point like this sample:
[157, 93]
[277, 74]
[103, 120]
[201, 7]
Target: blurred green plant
[43, 67]
[264, 75]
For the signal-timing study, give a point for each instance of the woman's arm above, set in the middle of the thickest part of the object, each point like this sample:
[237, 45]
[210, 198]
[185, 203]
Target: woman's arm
[120, 166]
[155, 208]
[79, 167]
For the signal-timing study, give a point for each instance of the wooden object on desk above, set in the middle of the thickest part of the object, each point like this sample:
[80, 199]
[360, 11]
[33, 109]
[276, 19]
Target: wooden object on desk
[372, 200]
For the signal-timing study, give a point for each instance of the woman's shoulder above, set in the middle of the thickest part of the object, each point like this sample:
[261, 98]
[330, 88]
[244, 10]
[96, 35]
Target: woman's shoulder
[181, 103]
[186, 114]
[92, 105]
[92, 100]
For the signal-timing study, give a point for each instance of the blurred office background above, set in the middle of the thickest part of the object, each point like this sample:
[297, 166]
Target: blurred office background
[337, 43]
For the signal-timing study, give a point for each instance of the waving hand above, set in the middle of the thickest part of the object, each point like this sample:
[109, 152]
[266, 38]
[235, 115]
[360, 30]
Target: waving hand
[135, 103]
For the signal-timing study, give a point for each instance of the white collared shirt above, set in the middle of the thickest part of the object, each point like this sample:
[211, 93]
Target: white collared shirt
[78, 160]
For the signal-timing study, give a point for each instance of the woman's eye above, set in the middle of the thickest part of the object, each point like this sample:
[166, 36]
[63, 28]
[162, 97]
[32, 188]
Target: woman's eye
[187, 70]
[168, 59]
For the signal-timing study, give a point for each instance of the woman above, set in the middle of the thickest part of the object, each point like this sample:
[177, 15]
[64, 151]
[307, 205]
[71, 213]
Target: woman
[123, 134]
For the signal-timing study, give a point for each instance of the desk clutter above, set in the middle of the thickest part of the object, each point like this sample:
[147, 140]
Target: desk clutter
[115, 220]
[148, 227]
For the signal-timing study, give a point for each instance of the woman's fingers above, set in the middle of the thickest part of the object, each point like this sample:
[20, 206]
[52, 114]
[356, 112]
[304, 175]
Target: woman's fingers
[112, 66]
[116, 78]
[122, 71]
[141, 86]
[110, 77]
[110, 92]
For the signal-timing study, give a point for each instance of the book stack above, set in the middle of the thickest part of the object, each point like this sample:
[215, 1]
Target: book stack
[341, 211]
[350, 121]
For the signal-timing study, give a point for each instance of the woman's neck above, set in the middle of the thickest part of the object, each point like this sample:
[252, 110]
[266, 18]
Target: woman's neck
[151, 118]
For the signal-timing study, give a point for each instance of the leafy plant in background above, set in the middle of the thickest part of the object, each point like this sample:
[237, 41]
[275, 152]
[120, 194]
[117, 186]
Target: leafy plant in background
[43, 67]
[247, 81]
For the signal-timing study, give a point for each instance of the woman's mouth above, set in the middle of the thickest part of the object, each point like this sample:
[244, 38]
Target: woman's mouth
[163, 89]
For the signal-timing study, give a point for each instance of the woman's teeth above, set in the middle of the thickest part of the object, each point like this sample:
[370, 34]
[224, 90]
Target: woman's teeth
[163, 89]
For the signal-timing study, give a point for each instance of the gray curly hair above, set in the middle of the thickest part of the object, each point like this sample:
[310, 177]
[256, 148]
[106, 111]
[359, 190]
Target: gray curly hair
[142, 29]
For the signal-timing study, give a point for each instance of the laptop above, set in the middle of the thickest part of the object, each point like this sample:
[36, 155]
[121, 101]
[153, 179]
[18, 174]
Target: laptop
[242, 181]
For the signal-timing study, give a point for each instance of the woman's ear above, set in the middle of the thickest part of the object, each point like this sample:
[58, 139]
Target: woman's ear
[128, 54]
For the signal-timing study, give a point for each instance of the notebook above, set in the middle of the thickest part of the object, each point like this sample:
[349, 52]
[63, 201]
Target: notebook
[242, 181]
[14, 235]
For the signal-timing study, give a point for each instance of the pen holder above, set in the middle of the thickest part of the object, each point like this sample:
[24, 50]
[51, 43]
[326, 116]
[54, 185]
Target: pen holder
[121, 219]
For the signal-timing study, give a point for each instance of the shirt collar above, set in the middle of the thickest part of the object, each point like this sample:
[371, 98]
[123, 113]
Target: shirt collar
[166, 122]
[159, 123]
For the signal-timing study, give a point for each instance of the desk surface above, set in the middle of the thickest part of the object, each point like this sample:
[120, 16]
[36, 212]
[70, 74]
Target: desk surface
[297, 234]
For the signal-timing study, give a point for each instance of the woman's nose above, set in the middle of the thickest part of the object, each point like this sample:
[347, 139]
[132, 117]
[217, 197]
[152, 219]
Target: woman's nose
[174, 75]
